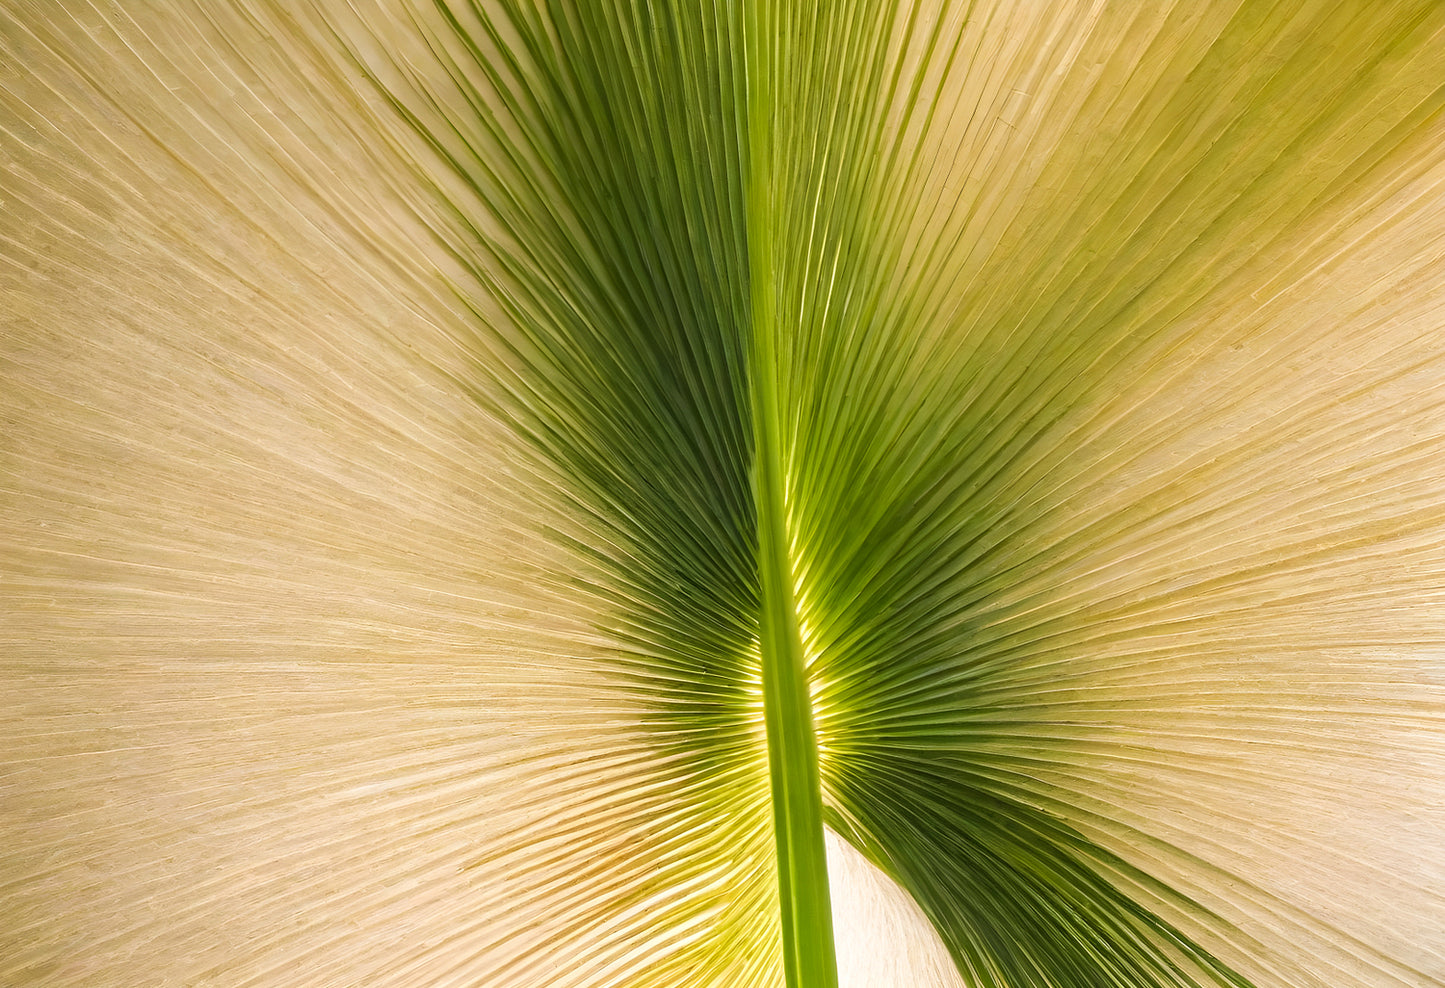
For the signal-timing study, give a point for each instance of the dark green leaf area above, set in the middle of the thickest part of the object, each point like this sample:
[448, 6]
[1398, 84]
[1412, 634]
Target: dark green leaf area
[1019, 896]
[602, 150]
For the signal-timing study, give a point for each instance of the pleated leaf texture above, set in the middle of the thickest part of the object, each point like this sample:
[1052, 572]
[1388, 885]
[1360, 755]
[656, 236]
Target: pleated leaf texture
[687, 493]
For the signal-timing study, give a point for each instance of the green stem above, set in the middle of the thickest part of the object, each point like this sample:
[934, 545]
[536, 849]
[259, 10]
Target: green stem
[806, 911]
[807, 920]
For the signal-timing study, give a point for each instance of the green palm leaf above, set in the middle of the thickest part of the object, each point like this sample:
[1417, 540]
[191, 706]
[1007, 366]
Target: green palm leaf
[484, 483]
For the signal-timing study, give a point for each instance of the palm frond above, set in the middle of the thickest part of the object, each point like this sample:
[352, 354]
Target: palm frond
[484, 481]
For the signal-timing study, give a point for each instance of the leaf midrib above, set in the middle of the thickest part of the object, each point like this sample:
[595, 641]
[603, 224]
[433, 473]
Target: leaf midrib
[804, 904]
